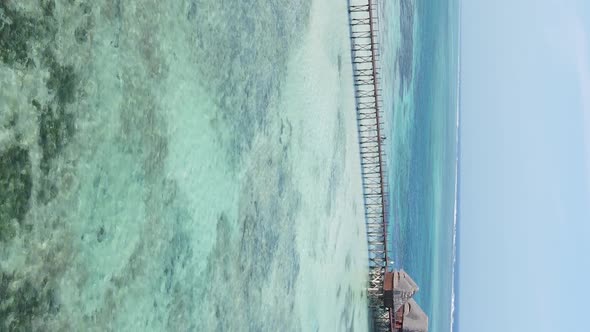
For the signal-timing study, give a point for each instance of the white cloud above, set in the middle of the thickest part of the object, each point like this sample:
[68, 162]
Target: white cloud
[582, 60]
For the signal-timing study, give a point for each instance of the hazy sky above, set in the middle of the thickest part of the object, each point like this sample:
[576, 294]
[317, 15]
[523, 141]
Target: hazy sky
[525, 216]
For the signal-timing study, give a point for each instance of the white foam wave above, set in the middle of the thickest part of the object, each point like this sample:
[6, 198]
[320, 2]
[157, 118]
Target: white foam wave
[457, 161]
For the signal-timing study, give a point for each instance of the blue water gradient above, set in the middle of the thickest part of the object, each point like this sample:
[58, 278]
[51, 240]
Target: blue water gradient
[423, 157]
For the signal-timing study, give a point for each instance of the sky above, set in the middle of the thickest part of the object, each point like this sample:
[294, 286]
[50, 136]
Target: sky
[525, 167]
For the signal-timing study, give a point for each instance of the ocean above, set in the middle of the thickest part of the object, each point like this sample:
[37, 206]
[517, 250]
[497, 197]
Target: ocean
[421, 69]
[186, 165]
[193, 165]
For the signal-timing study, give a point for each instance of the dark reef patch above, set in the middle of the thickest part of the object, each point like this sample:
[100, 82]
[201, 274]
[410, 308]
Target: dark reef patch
[18, 31]
[55, 128]
[22, 302]
[15, 32]
[15, 189]
[81, 34]
[62, 82]
[101, 234]
[48, 7]
[56, 122]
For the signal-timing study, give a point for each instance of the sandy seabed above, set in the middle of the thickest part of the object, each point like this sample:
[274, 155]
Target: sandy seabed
[181, 166]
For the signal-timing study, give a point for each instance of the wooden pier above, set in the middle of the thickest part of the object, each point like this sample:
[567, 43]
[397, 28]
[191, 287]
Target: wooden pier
[364, 27]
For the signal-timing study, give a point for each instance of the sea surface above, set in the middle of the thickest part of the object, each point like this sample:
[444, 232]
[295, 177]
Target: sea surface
[420, 45]
[186, 165]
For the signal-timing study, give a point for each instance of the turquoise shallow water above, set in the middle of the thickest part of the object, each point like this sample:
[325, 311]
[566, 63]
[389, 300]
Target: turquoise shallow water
[421, 63]
[182, 165]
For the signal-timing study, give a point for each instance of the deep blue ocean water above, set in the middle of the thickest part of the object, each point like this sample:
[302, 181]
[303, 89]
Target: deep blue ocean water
[421, 55]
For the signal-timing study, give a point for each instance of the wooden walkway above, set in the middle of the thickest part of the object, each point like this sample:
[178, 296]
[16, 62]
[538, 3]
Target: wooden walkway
[364, 27]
